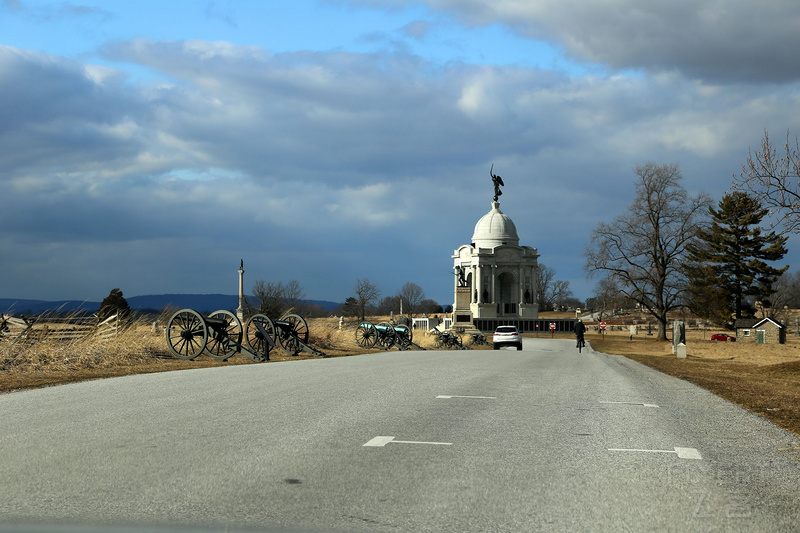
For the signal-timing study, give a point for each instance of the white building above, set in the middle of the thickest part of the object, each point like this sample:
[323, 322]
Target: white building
[495, 277]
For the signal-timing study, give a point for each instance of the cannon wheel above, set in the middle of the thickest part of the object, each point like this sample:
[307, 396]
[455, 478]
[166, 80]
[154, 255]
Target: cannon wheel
[439, 340]
[291, 340]
[387, 336]
[456, 339]
[366, 335]
[223, 344]
[475, 339]
[187, 334]
[405, 339]
[255, 340]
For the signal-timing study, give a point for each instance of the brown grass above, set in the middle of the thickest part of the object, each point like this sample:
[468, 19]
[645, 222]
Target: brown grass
[762, 378]
[143, 349]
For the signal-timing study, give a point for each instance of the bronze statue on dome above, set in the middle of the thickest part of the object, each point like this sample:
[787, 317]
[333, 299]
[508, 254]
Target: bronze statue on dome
[498, 181]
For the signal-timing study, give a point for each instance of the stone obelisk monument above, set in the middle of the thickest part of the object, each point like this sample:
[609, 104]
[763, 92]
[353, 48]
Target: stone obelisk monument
[240, 309]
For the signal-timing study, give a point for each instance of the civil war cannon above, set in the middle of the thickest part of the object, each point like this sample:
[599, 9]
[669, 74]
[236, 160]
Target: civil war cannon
[292, 335]
[384, 335]
[221, 335]
[448, 339]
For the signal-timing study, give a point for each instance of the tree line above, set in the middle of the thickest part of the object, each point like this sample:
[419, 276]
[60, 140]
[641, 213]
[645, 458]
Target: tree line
[671, 250]
[276, 299]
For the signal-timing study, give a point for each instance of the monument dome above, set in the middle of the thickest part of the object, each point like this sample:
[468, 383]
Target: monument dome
[495, 278]
[495, 228]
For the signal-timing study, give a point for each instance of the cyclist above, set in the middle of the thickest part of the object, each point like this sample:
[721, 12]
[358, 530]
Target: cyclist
[580, 329]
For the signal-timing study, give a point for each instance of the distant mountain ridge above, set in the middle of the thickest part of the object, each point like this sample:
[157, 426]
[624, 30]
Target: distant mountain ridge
[204, 303]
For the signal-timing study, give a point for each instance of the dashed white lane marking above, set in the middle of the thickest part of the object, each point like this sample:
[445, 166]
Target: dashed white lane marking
[383, 441]
[443, 397]
[683, 453]
[632, 403]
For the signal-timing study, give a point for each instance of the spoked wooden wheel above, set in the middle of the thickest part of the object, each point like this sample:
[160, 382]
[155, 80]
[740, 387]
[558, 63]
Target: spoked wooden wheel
[439, 341]
[292, 341]
[187, 334]
[404, 336]
[387, 336]
[457, 340]
[366, 335]
[224, 341]
[258, 344]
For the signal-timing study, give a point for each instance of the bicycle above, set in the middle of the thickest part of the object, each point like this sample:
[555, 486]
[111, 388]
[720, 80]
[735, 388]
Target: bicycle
[581, 344]
[580, 329]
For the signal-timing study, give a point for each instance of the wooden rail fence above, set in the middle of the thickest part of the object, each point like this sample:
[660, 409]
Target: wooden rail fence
[58, 329]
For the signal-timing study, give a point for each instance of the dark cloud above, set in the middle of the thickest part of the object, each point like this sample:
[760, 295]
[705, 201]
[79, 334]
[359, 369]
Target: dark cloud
[711, 40]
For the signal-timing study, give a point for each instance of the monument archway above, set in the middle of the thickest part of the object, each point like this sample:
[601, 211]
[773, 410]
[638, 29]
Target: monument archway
[507, 294]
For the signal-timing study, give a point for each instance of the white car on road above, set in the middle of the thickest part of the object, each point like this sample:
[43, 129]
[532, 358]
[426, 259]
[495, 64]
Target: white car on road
[507, 336]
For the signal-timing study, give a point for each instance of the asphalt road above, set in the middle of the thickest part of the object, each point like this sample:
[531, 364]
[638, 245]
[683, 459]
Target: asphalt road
[543, 439]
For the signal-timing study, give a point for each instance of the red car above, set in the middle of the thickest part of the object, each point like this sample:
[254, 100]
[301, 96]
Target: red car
[723, 337]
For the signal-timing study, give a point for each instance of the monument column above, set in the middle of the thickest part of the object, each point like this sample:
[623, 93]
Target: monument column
[478, 283]
[493, 296]
[240, 309]
[473, 289]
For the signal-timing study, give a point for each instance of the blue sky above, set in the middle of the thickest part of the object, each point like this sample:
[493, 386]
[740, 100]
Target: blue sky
[151, 145]
[78, 31]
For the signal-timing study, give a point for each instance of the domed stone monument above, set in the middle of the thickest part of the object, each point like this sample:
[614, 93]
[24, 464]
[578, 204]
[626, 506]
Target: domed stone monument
[495, 276]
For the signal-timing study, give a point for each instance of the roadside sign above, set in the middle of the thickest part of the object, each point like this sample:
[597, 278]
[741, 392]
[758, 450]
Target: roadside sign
[552, 326]
[602, 325]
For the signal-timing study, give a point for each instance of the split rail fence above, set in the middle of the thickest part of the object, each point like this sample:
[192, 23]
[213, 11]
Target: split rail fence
[57, 329]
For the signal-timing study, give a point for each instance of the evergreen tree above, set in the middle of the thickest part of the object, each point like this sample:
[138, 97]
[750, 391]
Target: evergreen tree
[704, 297]
[351, 307]
[729, 263]
[114, 303]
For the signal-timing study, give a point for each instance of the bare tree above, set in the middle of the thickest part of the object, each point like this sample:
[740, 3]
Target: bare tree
[785, 294]
[560, 293]
[607, 297]
[551, 292]
[269, 297]
[294, 298]
[642, 250]
[366, 293]
[775, 181]
[411, 295]
[275, 299]
[544, 280]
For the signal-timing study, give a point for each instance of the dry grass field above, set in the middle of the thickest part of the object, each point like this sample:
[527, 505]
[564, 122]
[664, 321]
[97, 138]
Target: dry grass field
[762, 378]
[143, 349]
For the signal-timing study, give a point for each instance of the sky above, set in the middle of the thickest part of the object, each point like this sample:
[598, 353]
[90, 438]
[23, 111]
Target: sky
[150, 146]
